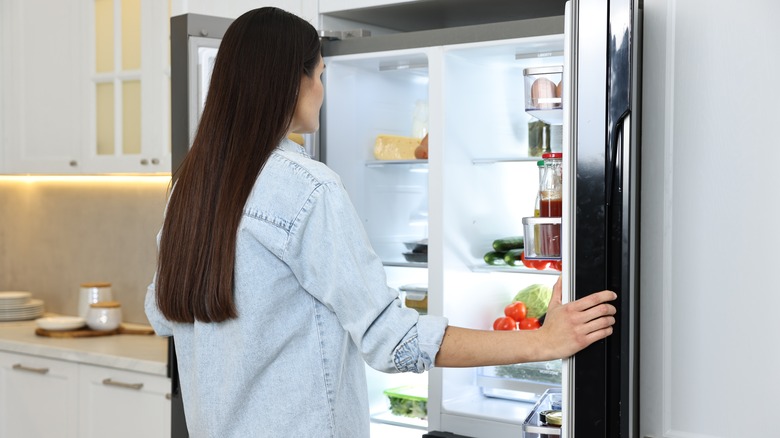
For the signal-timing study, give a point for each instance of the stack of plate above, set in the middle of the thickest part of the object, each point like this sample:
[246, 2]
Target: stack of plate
[18, 306]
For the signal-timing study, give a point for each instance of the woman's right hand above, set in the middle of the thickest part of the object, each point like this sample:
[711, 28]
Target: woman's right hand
[570, 327]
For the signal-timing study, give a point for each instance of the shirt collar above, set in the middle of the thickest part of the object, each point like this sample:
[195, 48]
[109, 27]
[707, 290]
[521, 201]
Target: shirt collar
[291, 146]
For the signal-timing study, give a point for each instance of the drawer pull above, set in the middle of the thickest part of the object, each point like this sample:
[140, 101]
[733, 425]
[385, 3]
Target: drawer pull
[20, 367]
[168, 396]
[123, 384]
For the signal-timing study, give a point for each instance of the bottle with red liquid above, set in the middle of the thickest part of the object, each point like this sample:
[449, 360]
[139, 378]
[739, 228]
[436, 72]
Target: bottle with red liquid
[551, 204]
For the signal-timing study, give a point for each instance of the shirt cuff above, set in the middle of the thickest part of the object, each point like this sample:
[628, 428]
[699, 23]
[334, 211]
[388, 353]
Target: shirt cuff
[417, 352]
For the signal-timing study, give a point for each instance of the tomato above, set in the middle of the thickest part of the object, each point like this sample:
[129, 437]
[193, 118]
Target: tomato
[529, 324]
[516, 310]
[534, 264]
[504, 323]
[557, 265]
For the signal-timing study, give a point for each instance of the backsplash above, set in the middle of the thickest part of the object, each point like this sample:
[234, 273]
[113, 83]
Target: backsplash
[59, 232]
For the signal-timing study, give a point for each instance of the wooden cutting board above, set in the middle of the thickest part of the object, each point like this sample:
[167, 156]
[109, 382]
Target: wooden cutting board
[88, 333]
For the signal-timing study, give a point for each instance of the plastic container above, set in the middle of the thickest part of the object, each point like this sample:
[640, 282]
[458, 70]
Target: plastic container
[408, 401]
[542, 237]
[544, 93]
[522, 382]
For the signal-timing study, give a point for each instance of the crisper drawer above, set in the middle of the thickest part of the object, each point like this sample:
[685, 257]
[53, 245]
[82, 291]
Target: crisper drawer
[523, 382]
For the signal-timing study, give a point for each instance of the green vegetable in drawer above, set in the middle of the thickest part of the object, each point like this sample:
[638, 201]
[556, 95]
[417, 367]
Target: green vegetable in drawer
[506, 243]
[495, 258]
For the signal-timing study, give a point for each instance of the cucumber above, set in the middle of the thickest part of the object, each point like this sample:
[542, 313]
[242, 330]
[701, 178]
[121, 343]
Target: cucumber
[512, 257]
[504, 244]
[495, 258]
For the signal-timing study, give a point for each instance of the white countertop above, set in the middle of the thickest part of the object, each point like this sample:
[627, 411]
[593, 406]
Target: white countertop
[141, 353]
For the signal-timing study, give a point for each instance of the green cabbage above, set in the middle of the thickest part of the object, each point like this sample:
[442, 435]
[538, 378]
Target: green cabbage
[536, 297]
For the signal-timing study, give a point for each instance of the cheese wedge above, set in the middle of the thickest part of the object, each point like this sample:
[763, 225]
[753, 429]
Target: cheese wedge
[395, 147]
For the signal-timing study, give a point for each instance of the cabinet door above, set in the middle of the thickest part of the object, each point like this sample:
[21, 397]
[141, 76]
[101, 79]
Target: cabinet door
[43, 85]
[37, 397]
[119, 403]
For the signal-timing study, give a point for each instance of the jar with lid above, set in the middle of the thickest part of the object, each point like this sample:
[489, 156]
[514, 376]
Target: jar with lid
[104, 315]
[537, 206]
[551, 186]
[551, 205]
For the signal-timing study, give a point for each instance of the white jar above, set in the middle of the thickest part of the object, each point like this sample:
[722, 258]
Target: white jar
[92, 293]
[104, 316]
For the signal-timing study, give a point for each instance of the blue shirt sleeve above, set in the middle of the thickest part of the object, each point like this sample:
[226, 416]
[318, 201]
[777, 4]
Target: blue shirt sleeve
[331, 256]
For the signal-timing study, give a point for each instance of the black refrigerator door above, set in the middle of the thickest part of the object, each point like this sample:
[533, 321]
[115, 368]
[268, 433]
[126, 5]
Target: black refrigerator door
[606, 150]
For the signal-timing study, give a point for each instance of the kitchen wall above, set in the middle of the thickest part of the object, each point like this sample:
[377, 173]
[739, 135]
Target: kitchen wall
[58, 232]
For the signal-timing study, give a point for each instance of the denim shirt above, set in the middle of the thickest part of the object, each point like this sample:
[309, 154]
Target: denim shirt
[313, 308]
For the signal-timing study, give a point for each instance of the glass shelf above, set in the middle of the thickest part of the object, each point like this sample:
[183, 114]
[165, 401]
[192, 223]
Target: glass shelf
[480, 161]
[383, 163]
[513, 269]
[405, 264]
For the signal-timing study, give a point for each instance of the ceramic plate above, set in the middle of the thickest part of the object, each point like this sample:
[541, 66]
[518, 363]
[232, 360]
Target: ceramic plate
[14, 297]
[60, 322]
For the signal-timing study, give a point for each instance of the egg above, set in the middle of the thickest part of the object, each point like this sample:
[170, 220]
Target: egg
[559, 89]
[543, 94]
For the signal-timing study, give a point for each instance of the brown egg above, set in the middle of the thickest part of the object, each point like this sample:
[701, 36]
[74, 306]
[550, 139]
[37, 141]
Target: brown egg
[542, 91]
[559, 89]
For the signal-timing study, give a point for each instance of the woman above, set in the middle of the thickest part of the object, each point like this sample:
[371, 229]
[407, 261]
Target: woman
[266, 277]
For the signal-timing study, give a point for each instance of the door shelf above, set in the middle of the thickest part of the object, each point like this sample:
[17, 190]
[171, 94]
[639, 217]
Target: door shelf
[532, 427]
[513, 269]
[388, 417]
[498, 160]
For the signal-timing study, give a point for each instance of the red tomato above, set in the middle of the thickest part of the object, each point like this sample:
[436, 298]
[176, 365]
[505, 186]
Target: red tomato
[534, 264]
[529, 324]
[516, 310]
[504, 323]
[557, 265]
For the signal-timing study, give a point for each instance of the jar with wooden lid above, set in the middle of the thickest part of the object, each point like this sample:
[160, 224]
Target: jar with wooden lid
[104, 315]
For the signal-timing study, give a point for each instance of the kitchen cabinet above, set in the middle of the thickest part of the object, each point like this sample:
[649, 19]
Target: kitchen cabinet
[37, 397]
[119, 403]
[54, 101]
[79, 400]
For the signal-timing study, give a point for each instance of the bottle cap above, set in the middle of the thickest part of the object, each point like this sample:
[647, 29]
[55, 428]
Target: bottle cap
[105, 305]
[540, 163]
[552, 155]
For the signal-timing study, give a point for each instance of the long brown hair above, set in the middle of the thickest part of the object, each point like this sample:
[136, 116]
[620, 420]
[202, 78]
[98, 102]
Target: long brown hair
[250, 104]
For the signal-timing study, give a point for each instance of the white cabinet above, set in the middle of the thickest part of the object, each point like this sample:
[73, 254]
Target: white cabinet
[44, 84]
[58, 110]
[120, 403]
[41, 398]
[327, 6]
[38, 397]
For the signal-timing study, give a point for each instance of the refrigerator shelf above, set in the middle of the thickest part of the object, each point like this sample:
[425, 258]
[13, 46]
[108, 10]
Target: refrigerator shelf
[497, 160]
[388, 417]
[532, 427]
[383, 163]
[512, 269]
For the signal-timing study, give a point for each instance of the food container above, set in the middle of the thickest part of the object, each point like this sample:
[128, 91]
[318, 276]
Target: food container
[542, 238]
[544, 93]
[416, 297]
[408, 401]
[104, 316]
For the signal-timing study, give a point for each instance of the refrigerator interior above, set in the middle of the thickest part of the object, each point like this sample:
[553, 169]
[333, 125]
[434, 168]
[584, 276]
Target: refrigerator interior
[489, 183]
[477, 186]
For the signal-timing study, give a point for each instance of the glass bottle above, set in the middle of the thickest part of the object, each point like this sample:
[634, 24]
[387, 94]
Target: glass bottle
[537, 206]
[551, 188]
[551, 205]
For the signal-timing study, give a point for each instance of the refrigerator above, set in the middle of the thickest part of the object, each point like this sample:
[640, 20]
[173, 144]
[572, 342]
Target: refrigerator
[433, 220]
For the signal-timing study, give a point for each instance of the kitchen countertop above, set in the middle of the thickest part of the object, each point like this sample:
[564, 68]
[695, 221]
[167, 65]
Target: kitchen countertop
[140, 353]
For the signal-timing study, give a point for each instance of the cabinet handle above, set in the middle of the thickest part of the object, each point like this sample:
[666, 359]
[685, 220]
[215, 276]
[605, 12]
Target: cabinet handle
[155, 161]
[123, 384]
[168, 396]
[73, 163]
[20, 367]
[144, 162]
